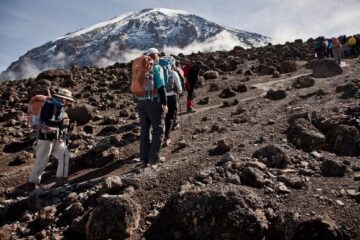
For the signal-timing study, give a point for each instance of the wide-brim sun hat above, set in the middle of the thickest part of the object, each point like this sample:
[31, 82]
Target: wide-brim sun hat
[151, 51]
[65, 94]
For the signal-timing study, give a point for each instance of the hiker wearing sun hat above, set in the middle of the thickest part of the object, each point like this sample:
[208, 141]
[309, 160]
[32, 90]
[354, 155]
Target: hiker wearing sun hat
[54, 123]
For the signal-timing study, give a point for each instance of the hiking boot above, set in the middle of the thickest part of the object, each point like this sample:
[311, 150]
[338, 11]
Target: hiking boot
[190, 110]
[167, 142]
[60, 181]
[175, 126]
[30, 186]
[155, 162]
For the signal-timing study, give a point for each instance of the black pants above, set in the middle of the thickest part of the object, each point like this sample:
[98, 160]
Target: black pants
[171, 114]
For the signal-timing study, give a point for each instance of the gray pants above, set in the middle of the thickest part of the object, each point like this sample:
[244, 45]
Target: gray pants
[150, 113]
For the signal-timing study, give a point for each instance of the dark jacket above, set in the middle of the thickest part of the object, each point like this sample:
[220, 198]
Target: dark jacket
[193, 75]
[51, 115]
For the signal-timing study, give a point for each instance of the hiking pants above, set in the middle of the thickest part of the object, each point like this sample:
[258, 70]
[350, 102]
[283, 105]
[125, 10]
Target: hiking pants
[171, 114]
[151, 115]
[43, 151]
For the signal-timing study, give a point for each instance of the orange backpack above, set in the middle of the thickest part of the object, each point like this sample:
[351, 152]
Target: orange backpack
[336, 42]
[34, 109]
[142, 83]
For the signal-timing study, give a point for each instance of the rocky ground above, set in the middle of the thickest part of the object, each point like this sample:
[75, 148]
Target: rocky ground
[271, 153]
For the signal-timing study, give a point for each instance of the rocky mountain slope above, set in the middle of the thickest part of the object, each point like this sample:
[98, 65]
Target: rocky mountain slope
[271, 153]
[118, 39]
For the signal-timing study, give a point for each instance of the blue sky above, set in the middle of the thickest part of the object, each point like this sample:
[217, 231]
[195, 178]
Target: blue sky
[25, 24]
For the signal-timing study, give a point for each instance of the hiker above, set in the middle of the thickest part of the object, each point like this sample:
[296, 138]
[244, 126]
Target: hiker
[336, 49]
[192, 79]
[51, 138]
[180, 73]
[173, 88]
[352, 44]
[148, 87]
[329, 48]
[320, 48]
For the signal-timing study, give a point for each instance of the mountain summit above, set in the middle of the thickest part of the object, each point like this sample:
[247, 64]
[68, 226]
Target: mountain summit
[126, 36]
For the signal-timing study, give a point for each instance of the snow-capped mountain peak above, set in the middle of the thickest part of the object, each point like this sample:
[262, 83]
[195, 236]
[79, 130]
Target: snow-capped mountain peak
[126, 36]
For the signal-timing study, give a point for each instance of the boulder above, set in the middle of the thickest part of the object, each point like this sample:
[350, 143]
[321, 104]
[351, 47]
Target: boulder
[276, 94]
[240, 88]
[223, 146]
[304, 135]
[217, 211]
[252, 177]
[265, 69]
[114, 217]
[288, 67]
[210, 75]
[214, 87]
[53, 74]
[273, 155]
[332, 168]
[227, 93]
[326, 68]
[203, 101]
[303, 82]
[318, 228]
[344, 140]
[82, 114]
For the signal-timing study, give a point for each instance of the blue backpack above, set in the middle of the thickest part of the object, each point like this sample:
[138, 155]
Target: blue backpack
[166, 64]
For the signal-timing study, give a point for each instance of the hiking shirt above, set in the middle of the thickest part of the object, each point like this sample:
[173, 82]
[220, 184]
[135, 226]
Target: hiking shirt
[159, 84]
[52, 116]
[177, 85]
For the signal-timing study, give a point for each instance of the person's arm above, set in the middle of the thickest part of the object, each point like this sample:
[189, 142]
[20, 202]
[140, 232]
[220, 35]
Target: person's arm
[177, 82]
[47, 113]
[160, 84]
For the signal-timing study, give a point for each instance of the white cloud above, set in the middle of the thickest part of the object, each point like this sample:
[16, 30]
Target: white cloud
[288, 20]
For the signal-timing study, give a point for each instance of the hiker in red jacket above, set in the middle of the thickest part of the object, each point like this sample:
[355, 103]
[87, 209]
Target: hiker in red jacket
[191, 73]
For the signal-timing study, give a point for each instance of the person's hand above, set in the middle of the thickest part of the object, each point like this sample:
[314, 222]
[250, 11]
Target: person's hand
[66, 122]
[72, 125]
[165, 109]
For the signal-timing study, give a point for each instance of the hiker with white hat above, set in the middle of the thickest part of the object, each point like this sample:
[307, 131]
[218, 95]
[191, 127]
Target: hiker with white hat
[54, 123]
[148, 86]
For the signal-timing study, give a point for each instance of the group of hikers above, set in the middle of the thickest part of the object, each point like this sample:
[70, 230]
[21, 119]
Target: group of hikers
[337, 47]
[158, 82]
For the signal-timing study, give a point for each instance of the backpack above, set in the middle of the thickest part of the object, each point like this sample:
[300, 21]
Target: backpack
[142, 83]
[352, 41]
[186, 69]
[336, 43]
[34, 109]
[317, 45]
[166, 64]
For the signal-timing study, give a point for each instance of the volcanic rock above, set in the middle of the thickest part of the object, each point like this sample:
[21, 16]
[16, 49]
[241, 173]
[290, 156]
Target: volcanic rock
[304, 135]
[332, 168]
[304, 82]
[115, 217]
[327, 67]
[273, 155]
[197, 215]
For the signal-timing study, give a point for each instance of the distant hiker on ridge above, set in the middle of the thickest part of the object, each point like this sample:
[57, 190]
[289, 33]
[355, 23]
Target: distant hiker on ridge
[148, 86]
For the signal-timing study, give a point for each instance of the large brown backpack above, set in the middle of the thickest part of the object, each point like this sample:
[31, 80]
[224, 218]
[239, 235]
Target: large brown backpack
[142, 77]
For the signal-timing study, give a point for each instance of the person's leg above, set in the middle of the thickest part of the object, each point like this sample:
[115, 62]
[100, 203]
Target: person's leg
[144, 132]
[170, 116]
[61, 153]
[43, 152]
[155, 114]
